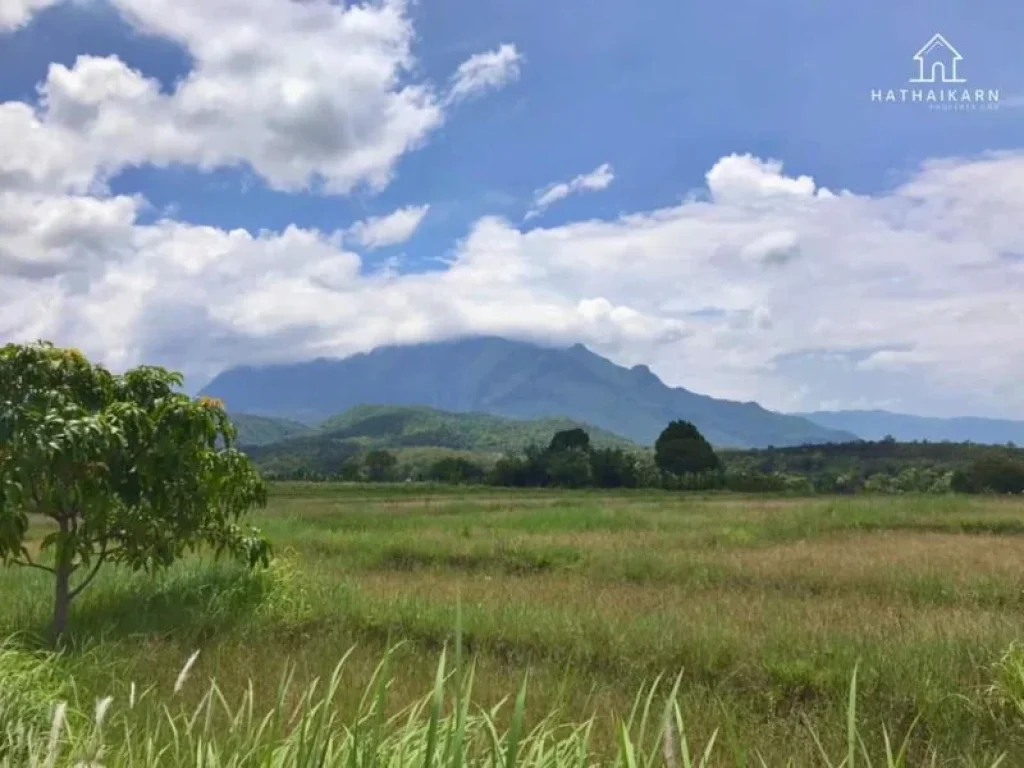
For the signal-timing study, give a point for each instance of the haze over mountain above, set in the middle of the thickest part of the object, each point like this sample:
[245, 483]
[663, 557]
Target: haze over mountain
[874, 425]
[506, 378]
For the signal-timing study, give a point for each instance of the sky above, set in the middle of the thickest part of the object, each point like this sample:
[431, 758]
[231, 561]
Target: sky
[740, 195]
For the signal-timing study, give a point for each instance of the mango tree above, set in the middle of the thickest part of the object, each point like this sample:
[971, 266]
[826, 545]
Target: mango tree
[124, 468]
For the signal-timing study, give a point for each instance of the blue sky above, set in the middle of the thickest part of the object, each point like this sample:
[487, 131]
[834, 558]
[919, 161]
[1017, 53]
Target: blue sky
[689, 239]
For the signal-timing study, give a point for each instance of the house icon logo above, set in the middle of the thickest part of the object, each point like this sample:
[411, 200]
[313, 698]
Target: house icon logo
[937, 61]
[938, 85]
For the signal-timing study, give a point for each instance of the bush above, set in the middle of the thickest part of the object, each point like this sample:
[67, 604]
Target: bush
[766, 482]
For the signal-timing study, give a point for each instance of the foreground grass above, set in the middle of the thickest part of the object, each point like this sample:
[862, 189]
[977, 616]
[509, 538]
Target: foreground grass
[305, 727]
[762, 607]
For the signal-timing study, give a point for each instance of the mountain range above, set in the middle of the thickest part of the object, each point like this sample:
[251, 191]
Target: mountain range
[521, 380]
[875, 425]
[511, 379]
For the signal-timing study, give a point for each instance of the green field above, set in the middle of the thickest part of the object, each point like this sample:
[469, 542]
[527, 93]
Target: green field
[763, 607]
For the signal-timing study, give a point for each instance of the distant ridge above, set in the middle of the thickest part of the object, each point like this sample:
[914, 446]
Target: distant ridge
[507, 378]
[875, 425]
[408, 430]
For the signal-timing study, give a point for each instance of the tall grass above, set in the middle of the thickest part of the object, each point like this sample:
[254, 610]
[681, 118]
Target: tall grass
[45, 723]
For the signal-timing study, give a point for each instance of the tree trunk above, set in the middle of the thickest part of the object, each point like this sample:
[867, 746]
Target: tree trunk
[62, 586]
[61, 599]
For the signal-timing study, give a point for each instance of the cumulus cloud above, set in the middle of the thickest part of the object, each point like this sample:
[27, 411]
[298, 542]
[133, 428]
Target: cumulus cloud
[768, 287]
[47, 235]
[484, 72]
[17, 13]
[745, 178]
[395, 228]
[310, 95]
[598, 179]
[883, 296]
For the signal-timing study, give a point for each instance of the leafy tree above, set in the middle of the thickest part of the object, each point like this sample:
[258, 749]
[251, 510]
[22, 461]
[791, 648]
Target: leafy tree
[569, 469]
[570, 440]
[349, 470]
[126, 468]
[455, 470]
[613, 468]
[380, 466]
[991, 475]
[681, 449]
[647, 473]
[529, 469]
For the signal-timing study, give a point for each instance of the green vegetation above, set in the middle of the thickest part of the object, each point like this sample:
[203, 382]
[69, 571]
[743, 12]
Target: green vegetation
[263, 430]
[762, 607]
[127, 471]
[888, 466]
[681, 460]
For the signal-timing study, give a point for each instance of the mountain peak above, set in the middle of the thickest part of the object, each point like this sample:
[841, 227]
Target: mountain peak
[508, 378]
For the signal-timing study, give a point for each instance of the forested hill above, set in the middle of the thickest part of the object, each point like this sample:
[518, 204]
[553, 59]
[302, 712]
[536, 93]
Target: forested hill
[399, 428]
[262, 430]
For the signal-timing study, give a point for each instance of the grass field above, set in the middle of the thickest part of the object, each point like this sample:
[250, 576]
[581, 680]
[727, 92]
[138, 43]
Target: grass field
[762, 606]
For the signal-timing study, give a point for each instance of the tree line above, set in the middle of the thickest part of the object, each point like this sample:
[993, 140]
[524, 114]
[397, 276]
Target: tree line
[684, 460]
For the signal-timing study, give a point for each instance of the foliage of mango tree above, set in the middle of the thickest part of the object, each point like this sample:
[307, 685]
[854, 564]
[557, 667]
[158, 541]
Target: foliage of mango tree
[125, 468]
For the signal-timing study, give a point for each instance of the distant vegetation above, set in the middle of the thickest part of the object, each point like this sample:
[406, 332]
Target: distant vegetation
[417, 435]
[430, 445]
[889, 466]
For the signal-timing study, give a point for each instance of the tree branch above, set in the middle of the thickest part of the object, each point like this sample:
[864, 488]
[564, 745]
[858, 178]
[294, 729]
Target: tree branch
[91, 575]
[28, 563]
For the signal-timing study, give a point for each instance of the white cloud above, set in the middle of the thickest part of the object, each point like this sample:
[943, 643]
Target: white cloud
[744, 178]
[395, 228]
[895, 359]
[598, 179]
[36, 156]
[47, 235]
[768, 288]
[17, 13]
[772, 248]
[880, 280]
[484, 72]
[308, 94]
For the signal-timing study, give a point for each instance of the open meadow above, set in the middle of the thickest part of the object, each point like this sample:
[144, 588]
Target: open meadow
[762, 607]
